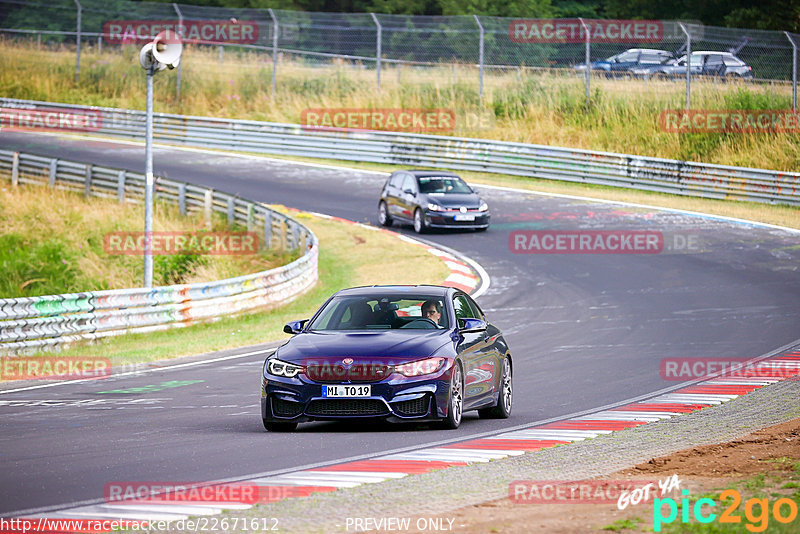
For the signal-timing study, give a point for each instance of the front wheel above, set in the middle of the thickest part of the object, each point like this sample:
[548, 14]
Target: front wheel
[455, 407]
[279, 427]
[419, 222]
[503, 408]
[383, 215]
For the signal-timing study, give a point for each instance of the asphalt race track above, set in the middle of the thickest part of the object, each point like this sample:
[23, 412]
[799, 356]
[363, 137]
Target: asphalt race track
[586, 330]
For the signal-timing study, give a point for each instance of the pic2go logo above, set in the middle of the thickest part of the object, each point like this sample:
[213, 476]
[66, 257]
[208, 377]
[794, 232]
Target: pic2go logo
[756, 511]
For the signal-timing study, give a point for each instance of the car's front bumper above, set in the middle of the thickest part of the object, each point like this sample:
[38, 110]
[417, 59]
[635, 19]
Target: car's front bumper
[439, 219]
[299, 400]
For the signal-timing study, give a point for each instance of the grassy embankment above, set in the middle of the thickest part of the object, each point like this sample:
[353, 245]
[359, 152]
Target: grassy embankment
[532, 108]
[61, 249]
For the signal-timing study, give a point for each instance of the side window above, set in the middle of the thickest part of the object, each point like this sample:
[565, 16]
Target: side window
[462, 308]
[627, 56]
[476, 310]
[650, 58]
[714, 60]
[732, 61]
[396, 180]
[409, 183]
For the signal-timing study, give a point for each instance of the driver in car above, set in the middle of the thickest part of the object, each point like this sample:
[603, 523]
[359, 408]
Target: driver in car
[432, 309]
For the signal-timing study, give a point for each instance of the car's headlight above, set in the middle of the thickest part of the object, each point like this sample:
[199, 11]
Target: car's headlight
[420, 367]
[280, 368]
[435, 207]
[484, 206]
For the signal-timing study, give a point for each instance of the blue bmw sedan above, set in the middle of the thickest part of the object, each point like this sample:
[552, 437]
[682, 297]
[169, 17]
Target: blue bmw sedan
[399, 353]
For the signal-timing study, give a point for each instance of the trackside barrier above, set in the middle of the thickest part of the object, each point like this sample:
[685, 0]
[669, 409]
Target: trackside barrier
[521, 159]
[44, 322]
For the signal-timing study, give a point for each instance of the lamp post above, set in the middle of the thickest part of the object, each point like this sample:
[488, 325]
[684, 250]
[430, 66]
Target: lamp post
[164, 51]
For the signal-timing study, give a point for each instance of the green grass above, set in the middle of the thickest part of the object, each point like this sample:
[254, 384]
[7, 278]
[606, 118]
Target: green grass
[624, 524]
[62, 249]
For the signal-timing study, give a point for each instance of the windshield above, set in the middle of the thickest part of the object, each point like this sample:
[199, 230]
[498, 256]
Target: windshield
[443, 184]
[382, 313]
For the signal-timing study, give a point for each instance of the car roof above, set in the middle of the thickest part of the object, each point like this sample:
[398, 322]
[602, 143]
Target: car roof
[644, 50]
[712, 52]
[421, 173]
[399, 290]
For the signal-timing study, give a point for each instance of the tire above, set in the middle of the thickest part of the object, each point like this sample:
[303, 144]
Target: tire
[506, 398]
[455, 408]
[419, 222]
[383, 215]
[279, 427]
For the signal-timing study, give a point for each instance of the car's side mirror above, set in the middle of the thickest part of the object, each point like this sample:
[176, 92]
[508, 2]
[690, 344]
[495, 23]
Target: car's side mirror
[409, 192]
[471, 325]
[294, 327]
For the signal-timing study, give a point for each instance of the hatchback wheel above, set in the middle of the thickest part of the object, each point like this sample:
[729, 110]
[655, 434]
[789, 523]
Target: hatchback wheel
[419, 222]
[383, 215]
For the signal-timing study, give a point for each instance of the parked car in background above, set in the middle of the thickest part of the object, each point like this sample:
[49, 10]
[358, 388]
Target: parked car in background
[621, 64]
[703, 63]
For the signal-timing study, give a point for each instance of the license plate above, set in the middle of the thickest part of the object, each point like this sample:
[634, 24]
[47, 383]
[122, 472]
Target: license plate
[346, 391]
[464, 217]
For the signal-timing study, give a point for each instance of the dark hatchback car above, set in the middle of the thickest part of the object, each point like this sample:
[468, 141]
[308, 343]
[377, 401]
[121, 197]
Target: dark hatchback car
[397, 353]
[431, 199]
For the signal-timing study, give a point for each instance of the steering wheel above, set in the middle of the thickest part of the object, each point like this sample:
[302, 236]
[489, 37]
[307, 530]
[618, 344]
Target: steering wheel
[429, 323]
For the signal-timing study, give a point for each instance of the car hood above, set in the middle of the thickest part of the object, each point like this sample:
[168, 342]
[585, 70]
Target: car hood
[391, 345]
[455, 200]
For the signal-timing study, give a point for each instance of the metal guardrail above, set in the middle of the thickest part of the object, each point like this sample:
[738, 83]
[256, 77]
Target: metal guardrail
[44, 322]
[537, 161]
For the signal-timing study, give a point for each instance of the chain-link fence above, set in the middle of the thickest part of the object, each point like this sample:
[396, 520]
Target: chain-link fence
[463, 49]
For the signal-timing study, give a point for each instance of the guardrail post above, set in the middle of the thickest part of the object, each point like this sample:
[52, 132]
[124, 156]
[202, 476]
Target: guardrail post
[38, 41]
[99, 44]
[208, 204]
[15, 170]
[268, 229]
[121, 186]
[284, 234]
[688, 65]
[78, 43]
[87, 192]
[250, 216]
[480, 57]
[182, 199]
[51, 181]
[231, 212]
[378, 50]
[220, 53]
[274, 52]
[794, 71]
[180, 34]
[588, 72]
